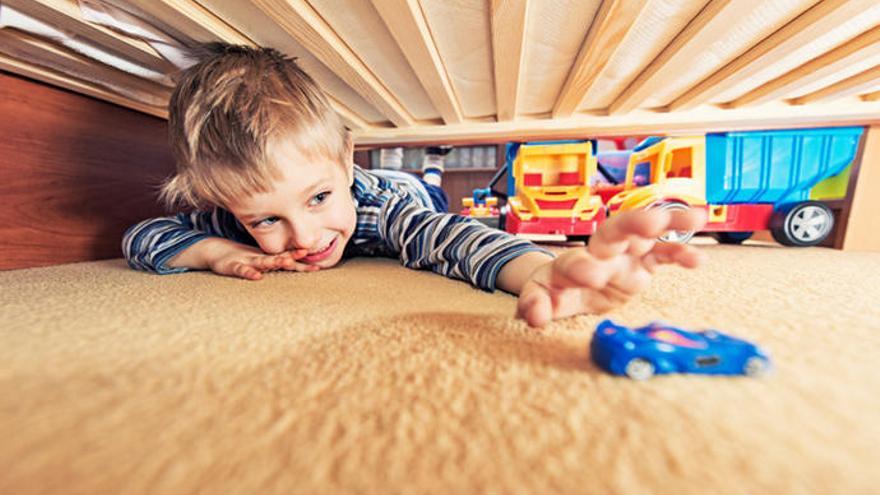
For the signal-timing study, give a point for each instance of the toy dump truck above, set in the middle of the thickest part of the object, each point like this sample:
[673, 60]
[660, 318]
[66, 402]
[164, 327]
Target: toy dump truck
[549, 191]
[747, 181]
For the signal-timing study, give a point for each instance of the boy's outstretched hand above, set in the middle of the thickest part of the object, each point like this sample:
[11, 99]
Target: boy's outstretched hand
[617, 264]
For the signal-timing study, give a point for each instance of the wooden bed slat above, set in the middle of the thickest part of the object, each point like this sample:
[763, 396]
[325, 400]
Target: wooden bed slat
[58, 79]
[307, 27]
[865, 45]
[608, 31]
[24, 46]
[508, 47]
[406, 23]
[65, 15]
[639, 90]
[854, 85]
[186, 20]
[349, 118]
[793, 35]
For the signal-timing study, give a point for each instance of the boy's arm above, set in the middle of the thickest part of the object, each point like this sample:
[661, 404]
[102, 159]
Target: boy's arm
[516, 272]
[151, 244]
[452, 245]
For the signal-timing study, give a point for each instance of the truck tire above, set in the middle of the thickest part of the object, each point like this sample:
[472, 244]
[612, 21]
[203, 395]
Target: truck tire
[732, 237]
[673, 236]
[802, 224]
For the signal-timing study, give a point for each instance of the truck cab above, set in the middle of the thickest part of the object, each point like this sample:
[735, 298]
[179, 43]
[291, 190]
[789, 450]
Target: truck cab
[552, 195]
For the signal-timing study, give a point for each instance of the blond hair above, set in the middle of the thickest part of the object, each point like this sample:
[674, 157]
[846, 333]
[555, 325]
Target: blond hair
[224, 113]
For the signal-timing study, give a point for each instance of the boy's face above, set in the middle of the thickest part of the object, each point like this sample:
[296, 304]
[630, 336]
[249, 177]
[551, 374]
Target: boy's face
[309, 208]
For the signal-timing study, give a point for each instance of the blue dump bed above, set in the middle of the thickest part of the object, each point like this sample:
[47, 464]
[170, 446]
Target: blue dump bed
[775, 166]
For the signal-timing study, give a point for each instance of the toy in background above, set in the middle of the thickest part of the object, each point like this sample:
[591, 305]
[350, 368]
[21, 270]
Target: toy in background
[657, 348]
[549, 192]
[480, 205]
[747, 181]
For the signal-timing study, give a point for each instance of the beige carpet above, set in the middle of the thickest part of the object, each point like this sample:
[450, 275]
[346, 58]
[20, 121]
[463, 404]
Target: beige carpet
[377, 379]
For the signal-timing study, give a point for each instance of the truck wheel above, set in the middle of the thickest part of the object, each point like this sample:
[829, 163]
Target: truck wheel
[802, 224]
[732, 237]
[674, 236]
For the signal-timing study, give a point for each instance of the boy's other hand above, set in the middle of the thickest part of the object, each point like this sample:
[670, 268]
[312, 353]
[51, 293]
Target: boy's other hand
[617, 264]
[234, 259]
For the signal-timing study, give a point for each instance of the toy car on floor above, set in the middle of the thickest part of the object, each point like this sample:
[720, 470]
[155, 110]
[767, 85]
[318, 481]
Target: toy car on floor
[658, 348]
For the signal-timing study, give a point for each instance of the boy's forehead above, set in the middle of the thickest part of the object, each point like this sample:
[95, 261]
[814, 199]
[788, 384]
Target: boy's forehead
[286, 148]
[293, 177]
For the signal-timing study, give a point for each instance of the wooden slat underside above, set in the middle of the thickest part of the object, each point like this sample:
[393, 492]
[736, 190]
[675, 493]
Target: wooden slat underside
[465, 70]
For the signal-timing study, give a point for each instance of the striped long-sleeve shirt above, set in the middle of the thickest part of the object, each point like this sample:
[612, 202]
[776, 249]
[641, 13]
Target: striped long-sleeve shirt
[395, 218]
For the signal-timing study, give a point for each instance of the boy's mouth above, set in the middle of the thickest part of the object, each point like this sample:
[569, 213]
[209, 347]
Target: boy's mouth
[321, 254]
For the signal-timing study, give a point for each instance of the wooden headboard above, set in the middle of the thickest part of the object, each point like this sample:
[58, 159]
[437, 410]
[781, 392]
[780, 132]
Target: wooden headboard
[75, 172]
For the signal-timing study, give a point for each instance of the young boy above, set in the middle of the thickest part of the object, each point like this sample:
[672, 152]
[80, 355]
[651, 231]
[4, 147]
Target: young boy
[260, 151]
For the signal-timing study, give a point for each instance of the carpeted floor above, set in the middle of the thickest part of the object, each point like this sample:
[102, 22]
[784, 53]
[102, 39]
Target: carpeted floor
[376, 379]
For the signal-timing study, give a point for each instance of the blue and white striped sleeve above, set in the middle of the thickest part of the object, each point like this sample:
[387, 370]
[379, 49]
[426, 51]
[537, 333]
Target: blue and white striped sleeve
[449, 244]
[149, 245]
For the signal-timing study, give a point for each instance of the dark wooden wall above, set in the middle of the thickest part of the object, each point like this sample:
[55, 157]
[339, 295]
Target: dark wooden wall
[75, 172]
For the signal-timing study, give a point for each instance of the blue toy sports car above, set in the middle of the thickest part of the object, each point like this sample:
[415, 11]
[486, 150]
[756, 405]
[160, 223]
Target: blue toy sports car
[658, 348]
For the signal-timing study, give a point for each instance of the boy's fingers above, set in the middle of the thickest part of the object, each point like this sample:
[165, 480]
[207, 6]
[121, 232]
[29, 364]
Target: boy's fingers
[613, 238]
[690, 219]
[244, 271]
[682, 254]
[634, 232]
[283, 261]
[534, 306]
[577, 268]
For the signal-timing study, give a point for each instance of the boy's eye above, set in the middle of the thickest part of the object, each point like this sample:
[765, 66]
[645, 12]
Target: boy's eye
[265, 222]
[319, 198]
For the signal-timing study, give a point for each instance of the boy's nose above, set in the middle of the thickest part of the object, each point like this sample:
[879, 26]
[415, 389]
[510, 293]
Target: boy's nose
[303, 237]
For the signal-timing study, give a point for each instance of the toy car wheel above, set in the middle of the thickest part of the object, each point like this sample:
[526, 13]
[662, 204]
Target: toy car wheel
[755, 366]
[802, 224]
[732, 237]
[639, 369]
[674, 236]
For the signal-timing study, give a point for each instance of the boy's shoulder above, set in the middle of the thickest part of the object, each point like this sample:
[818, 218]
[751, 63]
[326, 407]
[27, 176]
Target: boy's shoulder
[377, 185]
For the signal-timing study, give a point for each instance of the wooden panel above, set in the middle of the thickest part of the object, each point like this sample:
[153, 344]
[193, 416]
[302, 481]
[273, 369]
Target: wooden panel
[863, 223]
[74, 174]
